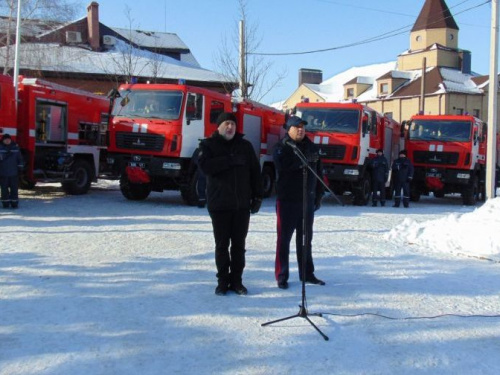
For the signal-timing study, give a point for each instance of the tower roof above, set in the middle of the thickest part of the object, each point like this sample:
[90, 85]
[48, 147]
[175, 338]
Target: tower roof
[435, 15]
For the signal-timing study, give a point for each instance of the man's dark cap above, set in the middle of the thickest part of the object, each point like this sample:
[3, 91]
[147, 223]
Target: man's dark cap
[226, 116]
[6, 136]
[295, 121]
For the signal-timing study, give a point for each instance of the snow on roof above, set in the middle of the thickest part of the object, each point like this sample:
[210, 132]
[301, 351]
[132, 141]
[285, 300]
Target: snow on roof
[152, 39]
[54, 57]
[332, 90]
[456, 81]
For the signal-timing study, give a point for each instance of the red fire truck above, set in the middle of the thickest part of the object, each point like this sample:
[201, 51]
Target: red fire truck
[449, 155]
[156, 128]
[60, 130]
[348, 135]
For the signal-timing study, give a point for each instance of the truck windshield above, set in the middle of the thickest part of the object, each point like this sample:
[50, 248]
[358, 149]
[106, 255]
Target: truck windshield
[439, 130]
[331, 120]
[148, 104]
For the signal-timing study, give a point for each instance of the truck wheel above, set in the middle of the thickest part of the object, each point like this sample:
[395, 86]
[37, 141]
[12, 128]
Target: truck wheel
[414, 195]
[439, 194]
[82, 178]
[268, 181]
[25, 183]
[470, 193]
[133, 192]
[189, 192]
[362, 192]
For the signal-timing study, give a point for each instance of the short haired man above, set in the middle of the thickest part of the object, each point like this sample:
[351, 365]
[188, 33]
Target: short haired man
[289, 202]
[234, 191]
[11, 162]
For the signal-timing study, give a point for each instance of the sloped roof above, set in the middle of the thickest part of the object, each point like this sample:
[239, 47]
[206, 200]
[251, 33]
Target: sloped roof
[57, 58]
[29, 27]
[152, 39]
[434, 15]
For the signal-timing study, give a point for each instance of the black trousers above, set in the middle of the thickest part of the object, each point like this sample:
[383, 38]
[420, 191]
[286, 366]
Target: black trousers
[289, 220]
[405, 186]
[378, 186]
[230, 232]
[10, 187]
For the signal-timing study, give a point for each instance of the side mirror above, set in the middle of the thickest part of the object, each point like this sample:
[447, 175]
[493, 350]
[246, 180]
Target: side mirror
[364, 127]
[403, 128]
[124, 101]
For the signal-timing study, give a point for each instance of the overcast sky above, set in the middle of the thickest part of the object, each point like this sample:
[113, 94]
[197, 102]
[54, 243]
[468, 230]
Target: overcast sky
[307, 25]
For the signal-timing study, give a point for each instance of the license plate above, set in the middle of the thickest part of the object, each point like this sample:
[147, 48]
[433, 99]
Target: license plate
[134, 164]
[433, 174]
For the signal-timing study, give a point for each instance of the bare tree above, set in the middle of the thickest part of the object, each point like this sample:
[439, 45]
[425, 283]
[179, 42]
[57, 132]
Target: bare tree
[37, 16]
[128, 62]
[258, 77]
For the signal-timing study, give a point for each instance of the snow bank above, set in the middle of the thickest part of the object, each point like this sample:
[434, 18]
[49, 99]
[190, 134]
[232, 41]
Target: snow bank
[474, 234]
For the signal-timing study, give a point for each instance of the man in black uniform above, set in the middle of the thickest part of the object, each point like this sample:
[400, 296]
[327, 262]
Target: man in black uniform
[234, 190]
[289, 209]
[379, 167]
[11, 162]
[402, 174]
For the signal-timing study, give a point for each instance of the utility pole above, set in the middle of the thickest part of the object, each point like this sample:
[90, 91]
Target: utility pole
[243, 69]
[16, 55]
[492, 104]
[422, 87]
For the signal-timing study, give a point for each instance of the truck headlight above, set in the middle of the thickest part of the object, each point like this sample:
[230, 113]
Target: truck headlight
[175, 166]
[463, 175]
[351, 172]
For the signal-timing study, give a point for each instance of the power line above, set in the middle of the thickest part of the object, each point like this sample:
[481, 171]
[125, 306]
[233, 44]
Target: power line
[389, 34]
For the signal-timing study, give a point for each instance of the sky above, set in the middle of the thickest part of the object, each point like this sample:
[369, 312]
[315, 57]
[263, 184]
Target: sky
[97, 284]
[298, 26]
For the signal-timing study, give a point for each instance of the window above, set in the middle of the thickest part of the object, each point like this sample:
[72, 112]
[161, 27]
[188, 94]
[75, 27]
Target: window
[194, 107]
[350, 93]
[388, 115]
[475, 113]
[384, 88]
[418, 38]
[216, 108]
[459, 111]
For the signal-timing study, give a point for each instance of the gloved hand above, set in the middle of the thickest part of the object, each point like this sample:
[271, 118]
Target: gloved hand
[235, 160]
[317, 203]
[255, 205]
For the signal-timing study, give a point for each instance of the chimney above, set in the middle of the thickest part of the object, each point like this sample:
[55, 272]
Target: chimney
[310, 76]
[93, 25]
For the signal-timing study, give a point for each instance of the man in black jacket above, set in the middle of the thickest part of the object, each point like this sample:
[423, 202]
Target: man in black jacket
[234, 190]
[379, 167]
[402, 174]
[11, 161]
[289, 207]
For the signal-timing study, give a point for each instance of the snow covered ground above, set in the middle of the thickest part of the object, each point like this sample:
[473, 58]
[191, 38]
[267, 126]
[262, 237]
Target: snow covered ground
[97, 284]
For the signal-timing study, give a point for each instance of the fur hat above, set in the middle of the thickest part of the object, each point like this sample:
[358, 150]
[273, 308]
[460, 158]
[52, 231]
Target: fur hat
[380, 150]
[226, 116]
[402, 152]
[295, 121]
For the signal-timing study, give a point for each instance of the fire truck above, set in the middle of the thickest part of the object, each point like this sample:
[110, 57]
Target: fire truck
[348, 135]
[61, 132]
[449, 155]
[155, 131]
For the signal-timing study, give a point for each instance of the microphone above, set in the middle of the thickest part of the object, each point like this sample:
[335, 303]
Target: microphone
[290, 143]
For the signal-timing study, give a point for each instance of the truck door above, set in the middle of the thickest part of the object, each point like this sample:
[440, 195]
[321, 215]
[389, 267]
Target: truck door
[51, 122]
[193, 124]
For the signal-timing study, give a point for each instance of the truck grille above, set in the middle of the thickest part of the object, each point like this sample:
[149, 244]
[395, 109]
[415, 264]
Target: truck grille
[431, 157]
[335, 152]
[140, 141]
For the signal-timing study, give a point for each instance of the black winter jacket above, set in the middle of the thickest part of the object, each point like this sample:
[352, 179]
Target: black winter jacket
[289, 170]
[232, 170]
[11, 160]
[402, 170]
[379, 168]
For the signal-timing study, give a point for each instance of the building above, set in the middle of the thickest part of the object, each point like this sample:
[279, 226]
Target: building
[433, 76]
[89, 55]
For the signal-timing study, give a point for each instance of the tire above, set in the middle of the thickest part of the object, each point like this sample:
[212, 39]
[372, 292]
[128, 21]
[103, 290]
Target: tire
[268, 180]
[25, 183]
[439, 194]
[189, 192]
[470, 193]
[414, 195]
[82, 178]
[134, 192]
[362, 192]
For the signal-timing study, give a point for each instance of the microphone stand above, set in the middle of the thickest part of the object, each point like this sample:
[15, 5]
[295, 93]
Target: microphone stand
[303, 313]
